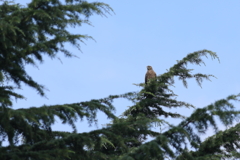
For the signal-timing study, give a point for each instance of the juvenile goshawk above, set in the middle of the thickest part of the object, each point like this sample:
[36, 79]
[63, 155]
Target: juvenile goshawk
[150, 74]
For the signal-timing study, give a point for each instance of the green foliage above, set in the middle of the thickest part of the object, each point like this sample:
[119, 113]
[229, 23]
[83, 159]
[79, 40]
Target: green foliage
[28, 33]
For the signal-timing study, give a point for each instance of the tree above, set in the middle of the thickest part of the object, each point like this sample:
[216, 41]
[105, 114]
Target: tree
[39, 29]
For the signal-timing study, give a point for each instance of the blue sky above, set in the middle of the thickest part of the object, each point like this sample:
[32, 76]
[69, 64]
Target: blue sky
[138, 34]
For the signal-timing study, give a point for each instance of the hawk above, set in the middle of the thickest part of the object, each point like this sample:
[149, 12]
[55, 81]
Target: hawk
[150, 74]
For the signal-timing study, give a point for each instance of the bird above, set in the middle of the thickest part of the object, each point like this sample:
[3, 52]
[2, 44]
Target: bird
[150, 74]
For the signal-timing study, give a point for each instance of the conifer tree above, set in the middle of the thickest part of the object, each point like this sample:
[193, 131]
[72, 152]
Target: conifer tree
[29, 32]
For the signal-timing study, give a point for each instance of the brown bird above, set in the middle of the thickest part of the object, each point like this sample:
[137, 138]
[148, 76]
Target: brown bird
[150, 74]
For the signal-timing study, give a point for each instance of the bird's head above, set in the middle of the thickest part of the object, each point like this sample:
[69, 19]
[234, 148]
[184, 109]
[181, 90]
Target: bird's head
[149, 68]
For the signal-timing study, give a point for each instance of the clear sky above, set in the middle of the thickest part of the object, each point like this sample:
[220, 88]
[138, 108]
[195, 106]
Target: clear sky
[142, 33]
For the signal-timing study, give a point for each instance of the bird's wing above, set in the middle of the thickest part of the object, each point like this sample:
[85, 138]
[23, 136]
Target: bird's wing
[146, 78]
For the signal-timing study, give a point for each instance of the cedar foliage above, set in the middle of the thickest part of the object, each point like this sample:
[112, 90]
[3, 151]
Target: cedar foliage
[40, 28]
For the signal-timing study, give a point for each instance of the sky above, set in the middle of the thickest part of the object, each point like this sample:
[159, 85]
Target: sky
[137, 34]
